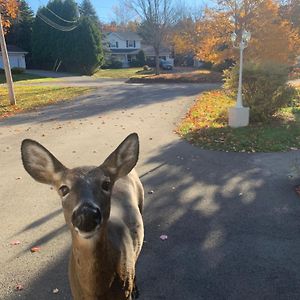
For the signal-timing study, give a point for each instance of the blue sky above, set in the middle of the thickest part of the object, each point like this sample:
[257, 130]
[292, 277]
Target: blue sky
[103, 7]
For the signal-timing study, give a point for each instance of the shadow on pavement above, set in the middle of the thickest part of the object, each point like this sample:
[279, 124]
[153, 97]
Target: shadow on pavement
[100, 102]
[233, 230]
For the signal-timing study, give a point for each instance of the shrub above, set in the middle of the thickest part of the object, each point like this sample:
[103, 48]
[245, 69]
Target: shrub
[16, 70]
[265, 88]
[135, 64]
[226, 64]
[141, 58]
[207, 65]
[2, 71]
[112, 64]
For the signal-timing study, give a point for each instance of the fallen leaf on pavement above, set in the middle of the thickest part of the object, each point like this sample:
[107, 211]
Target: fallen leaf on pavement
[35, 249]
[19, 287]
[297, 189]
[163, 237]
[15, 242]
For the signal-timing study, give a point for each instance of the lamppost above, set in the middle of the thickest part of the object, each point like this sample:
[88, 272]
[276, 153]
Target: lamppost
[239, 115]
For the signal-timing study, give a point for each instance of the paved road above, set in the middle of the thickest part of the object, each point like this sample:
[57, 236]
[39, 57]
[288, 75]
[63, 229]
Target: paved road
[232, 220]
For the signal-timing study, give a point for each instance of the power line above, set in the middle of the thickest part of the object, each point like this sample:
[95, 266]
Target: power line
[60, 18]
[55, 25]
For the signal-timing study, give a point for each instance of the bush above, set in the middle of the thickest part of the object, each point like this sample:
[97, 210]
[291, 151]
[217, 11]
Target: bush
[141, 58]
[226, 64]
[265, 88]
[112, 64]
[16, 70]
[135, 64]
[207, 65]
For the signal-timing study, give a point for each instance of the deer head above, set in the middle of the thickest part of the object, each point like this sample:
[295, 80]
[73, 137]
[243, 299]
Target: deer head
[86, 191]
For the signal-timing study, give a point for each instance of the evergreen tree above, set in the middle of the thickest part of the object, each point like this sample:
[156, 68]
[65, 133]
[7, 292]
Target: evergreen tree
[87, 9]
[79, 50]
[20, 32]
[87, 53]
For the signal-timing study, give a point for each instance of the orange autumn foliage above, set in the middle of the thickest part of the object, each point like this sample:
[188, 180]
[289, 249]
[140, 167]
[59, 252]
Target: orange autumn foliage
[183, 36]
[9, 10]
[273, 38]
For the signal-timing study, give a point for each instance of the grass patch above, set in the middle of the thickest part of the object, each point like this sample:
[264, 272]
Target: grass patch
[179, 75]
[117, 73]
[29, 97]
[176, 75]
[205, 125]
[27, 78]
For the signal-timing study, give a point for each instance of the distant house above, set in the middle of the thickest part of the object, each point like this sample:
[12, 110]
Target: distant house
[16, 57]
[124, 46]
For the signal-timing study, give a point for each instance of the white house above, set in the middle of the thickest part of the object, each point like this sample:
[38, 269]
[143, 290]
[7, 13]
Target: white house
[124, 46]
[16, 57]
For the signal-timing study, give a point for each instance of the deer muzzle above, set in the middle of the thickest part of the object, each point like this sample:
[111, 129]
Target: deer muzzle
[86, 218]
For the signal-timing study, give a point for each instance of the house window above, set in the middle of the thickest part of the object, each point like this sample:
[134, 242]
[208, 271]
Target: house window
[130, 44]
[114, 44]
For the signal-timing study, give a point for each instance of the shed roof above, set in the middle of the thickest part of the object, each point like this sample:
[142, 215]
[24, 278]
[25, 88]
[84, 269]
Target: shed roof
[13, 48]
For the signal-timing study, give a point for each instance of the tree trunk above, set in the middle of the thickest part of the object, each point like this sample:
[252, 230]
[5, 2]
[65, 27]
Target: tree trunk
[157, 62]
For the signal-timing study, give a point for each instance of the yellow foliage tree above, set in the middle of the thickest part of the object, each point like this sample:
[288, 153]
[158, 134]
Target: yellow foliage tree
[9, 10]
[273, 38]
[183, 36]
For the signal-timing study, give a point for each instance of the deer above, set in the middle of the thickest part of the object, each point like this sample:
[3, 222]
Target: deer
[102, 207]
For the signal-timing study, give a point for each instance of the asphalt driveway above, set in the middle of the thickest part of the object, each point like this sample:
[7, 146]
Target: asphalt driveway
[232, 220]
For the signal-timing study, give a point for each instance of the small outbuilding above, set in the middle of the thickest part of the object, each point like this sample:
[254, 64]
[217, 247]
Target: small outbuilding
[16, 57]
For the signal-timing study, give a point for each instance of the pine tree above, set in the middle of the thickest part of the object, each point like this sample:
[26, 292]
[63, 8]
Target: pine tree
[86, 48]
[79, 50]
[87, 9]
[20, 32]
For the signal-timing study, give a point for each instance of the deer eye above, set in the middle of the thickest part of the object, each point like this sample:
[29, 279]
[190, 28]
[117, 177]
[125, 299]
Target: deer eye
[64, 190]
[106, 185]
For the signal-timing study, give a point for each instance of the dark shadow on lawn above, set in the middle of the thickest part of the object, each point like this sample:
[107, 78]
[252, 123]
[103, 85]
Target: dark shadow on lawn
[233, 227]
[105, 100]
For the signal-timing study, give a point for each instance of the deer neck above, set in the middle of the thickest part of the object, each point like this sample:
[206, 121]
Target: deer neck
[93, 264]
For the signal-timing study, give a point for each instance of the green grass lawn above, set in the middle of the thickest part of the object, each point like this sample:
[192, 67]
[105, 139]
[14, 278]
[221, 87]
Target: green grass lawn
[188, 75]
[29, 97]
[175, 75]
[205, 125]
[117, 73]
[27, 78]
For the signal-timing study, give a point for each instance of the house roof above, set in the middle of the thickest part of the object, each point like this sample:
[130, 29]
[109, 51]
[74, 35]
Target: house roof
[13, 48]
[127, 35]
[149, 51]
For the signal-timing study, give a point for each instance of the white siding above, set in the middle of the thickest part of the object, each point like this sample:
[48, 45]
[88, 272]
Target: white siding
[16, 60]
[113, 38]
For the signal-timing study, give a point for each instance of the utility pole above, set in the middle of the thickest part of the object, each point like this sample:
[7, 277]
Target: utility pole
[9, 80]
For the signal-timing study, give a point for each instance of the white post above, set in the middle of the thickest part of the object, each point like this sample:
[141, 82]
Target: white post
[238, 115]
[239, 100]
[9, 80]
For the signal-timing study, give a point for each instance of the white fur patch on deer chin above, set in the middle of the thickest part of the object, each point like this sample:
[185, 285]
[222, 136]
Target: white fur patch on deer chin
[87, 235]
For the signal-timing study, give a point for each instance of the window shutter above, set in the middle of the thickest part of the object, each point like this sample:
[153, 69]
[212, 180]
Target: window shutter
[126, 43]
[134, 44]
[117, 44]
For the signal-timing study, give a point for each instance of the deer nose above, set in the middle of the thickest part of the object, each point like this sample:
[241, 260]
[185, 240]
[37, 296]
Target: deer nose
[86, 217]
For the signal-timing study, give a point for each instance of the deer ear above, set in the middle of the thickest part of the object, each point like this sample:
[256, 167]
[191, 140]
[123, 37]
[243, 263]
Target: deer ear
[120, 162]
[40, 163]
